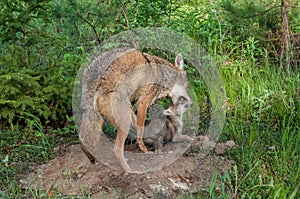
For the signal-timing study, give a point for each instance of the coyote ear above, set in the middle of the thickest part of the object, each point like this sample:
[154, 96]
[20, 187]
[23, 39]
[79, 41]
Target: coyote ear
[167, 111]
[179, 61]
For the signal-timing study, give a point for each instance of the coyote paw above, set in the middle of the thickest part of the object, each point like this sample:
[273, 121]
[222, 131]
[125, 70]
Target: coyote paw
[132, 172]
[148, 152]
[144, 149]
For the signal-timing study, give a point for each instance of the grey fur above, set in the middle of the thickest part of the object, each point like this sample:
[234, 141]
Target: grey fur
[165, 128]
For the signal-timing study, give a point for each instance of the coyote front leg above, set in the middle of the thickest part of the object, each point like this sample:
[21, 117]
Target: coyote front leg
[142, 107]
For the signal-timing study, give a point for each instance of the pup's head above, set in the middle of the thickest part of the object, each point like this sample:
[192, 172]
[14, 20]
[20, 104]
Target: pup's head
[176, 110]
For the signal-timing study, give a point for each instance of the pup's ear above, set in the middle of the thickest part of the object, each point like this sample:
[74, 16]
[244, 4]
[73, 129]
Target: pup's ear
[167, 111]
[179, 61]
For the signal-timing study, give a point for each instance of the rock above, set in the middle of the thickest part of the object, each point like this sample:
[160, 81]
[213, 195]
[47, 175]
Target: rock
[230, 144]
[179, 184]
[202, 138]
[157, 188]
[221, 148]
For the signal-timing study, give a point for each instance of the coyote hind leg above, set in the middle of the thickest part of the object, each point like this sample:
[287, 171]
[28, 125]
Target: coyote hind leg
[119, 150]
[122, 133]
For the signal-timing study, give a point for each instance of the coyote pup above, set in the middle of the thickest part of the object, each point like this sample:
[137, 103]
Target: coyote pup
[116, 81]
[164, 129]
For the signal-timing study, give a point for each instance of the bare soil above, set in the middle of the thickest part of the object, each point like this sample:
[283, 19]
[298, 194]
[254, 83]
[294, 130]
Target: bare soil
[72, 173]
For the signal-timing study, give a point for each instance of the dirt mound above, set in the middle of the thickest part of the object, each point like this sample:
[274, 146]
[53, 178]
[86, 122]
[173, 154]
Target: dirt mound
[71, 173]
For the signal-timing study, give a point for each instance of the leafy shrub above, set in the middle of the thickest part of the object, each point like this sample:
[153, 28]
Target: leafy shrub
[44, 91]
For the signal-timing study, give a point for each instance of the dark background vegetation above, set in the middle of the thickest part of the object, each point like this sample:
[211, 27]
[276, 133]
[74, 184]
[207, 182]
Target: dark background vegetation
[256, 45]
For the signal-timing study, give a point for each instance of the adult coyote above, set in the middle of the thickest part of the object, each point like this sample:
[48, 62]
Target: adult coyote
[116, 81]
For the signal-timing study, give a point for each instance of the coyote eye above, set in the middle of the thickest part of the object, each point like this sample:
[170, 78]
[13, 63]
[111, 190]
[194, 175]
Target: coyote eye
[181, 100]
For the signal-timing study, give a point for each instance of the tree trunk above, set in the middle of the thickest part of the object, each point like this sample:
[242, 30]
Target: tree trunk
[285, 52]
[26, 32]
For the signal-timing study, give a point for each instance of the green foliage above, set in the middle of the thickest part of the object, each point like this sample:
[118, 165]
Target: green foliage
[43, 44]
[88, 22]
[263, 121]
[45, 92]
[251, 18]
[38, 78]
[18, 19]
[22, 93]
[150, 13]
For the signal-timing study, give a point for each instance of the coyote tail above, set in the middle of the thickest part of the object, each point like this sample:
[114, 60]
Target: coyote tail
[91, 121]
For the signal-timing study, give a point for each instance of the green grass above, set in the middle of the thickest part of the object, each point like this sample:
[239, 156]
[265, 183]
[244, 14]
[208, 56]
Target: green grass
[21, 148]
[264, 121]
